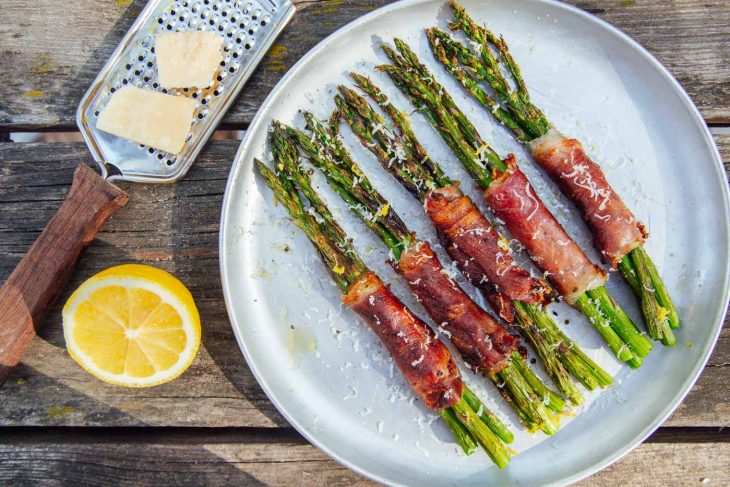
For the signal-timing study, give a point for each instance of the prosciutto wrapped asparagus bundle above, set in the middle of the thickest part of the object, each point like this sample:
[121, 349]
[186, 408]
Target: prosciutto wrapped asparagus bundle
[617, 234]
[485, 345]
[423, 359]
[513, 200]
[402, 155]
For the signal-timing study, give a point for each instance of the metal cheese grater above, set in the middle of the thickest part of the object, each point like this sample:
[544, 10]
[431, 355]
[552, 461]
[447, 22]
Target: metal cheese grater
[249, 27]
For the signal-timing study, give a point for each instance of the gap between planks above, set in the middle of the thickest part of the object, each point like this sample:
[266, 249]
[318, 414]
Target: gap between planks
[17, 435]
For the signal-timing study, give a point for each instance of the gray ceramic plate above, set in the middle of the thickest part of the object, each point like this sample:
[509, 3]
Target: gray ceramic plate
[324, 370]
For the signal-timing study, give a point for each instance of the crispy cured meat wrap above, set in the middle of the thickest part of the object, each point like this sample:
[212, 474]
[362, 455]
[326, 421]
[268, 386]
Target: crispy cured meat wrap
[464, 228]
[424, 361]
[514, 201]
[484, 344]
[616, 232]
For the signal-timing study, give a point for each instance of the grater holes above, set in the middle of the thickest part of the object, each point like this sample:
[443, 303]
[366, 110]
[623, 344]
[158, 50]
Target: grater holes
[240, 22]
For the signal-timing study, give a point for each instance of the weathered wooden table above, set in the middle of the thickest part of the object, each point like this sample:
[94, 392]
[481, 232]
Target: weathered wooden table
[214, 424]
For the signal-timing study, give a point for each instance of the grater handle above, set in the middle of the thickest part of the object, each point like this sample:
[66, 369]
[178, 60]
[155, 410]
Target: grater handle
[36, 282]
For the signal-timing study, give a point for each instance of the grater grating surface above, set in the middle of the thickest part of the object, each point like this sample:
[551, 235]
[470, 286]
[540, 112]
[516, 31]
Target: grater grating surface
[248, 27]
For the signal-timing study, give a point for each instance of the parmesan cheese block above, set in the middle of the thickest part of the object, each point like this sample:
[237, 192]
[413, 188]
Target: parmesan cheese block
[187, 59]
[148, 117]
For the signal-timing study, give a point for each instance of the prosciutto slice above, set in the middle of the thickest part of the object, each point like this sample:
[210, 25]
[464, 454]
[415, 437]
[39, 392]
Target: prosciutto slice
[478, 249]
[567, 267]
[616, 232]
[484, 344]
[422, 358]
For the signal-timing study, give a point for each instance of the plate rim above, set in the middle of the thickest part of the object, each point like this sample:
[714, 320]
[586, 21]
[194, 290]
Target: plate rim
[699, 121]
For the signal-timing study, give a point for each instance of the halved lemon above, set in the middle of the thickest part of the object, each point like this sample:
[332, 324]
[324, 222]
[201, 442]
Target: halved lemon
[132, 325]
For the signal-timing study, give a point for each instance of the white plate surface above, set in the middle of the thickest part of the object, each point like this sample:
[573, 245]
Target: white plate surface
[326, 372]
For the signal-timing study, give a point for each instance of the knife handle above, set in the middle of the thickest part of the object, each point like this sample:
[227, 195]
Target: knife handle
[36, 282]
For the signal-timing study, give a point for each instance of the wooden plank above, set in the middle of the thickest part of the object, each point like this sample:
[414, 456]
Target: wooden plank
[43, 75]
[174, 227]
[241, 457]
[184, 459]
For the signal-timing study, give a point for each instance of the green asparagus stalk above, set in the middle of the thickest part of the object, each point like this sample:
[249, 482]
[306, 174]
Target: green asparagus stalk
[439, 108]
[463, 437]
[363, 120]
[326, 152]
[292, 187]
[488, 417]
[494, 447]
[528, 122]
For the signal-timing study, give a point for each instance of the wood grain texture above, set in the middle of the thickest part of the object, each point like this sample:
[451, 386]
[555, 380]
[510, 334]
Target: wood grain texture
[175, 227]
[40, 276]
[245, 457]
[43, 75]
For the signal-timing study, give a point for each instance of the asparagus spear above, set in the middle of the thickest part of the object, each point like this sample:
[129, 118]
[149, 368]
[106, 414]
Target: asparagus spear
[528, 123]
[398, 154]
[292, 187]
[481, 161]
[532, 400]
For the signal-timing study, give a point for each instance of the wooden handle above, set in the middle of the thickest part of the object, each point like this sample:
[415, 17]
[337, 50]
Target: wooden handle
[36, 282]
